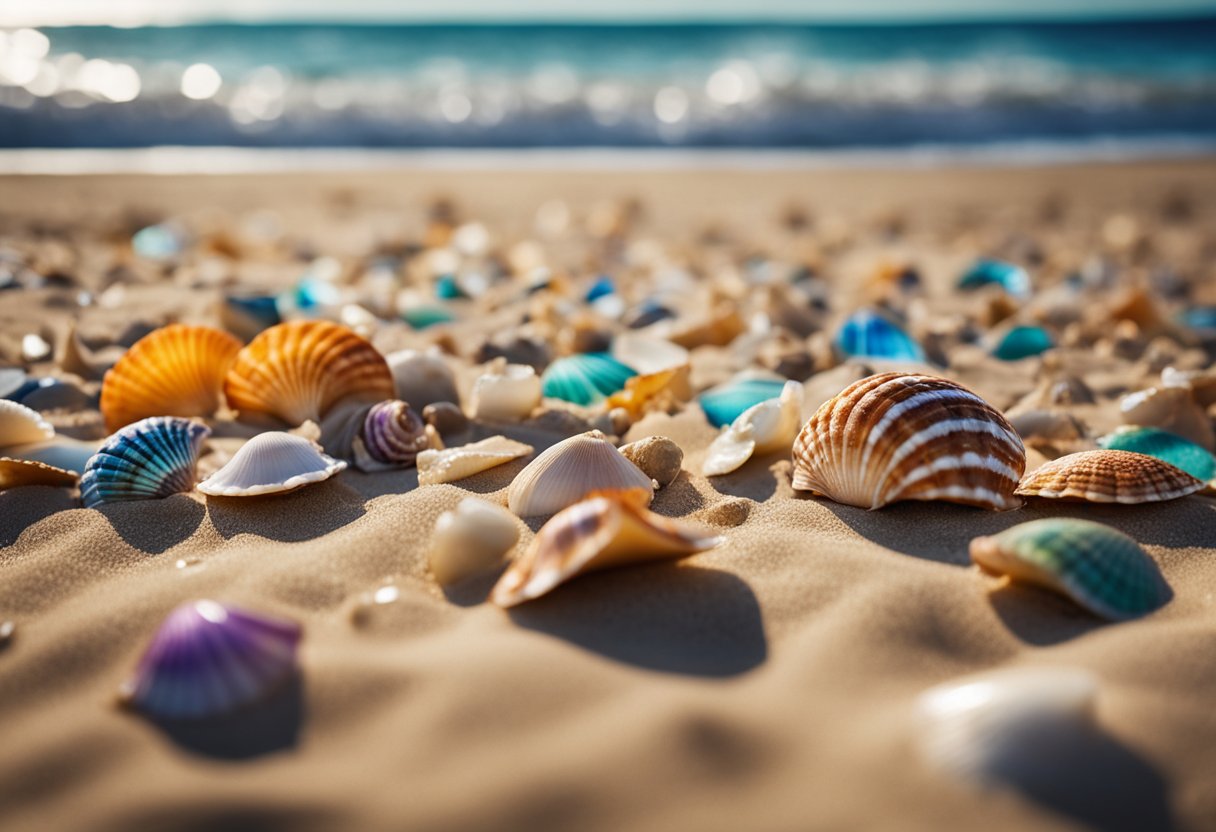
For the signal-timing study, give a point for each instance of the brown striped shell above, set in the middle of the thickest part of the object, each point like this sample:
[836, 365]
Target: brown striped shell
[1109, 476]
[177, 370]
[296, 371]
[904, 436]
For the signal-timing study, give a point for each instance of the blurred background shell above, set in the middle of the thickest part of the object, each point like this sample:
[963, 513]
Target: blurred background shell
[585, 379]
[422, 377]
[1166, 446]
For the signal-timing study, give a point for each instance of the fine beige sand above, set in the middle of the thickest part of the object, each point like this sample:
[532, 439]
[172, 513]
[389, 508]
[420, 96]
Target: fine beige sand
[766, 685]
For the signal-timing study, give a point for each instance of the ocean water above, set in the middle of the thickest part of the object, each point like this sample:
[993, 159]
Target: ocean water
[780, 87]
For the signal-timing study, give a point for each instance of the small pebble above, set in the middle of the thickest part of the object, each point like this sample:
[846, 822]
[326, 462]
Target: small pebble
[445, 417]
[731, 513]
[659, 458]
[7, 629]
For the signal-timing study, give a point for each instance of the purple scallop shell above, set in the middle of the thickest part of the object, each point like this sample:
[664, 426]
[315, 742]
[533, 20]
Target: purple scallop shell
[208, 659]
[393, 434]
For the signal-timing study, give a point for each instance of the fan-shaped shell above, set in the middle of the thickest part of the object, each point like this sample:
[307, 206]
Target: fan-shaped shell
[472, 539]
[1166, 446]
[570, 470]
[1109, 476]
[271, 463]
[423, 378]
[867, 334]
[764, 428]
[902, 436]
[505, 392]
[392, 436]
[19, 425]
[147, 460]
[726, 402]
[452, 464]
[297, 370]
[177, 370]
[1103, 570]
[585, 379]
[605, 530]
[19, 472]
[209, 659]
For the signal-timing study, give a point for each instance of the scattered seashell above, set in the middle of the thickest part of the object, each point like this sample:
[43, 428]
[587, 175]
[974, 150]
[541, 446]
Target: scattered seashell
[1103, 570]
[900, 436]
[1052, 425]
[147, 460]
[35, 348]
[1169, 408]
[658, 457]
[1023, 342]
[247, 315]
[423, 378]
[391, 437]
[646, 354]
[18, 472]
[506, 392]
[585, 379]
[296, 371]
[176, 370]
[19, 425]
[472, 539]
[209, 659]
[866, 334]
[605, 530]
[425, 316]
[764, 428]
[997, 728]
[1166, 446]
[570, 470]
[271, 463]
[726, 402]
[1013, 279]
[1109, 476]
[445, 417]
[452, 464]
[163, 241]
[654, 391]
[718, 329]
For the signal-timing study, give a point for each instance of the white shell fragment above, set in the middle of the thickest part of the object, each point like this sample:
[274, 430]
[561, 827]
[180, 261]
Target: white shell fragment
[569, 471]
[271, 463]
[25, 435]
[506, 392]
[646, 354]
[452, 464]
[470, 540]
[764, 428]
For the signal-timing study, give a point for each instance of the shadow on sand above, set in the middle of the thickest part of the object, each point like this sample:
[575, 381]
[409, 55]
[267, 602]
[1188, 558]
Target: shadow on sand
[155, 526]
[263, 728]
[21, 508]
[311, 512]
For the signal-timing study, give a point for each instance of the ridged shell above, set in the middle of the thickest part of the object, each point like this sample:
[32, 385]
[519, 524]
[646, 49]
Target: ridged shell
[606, 530]
[208, 659]
[19, 425]
[271, 463]
[296, 371]
[452, 464]
[1166, 446]
[18, 472]
[505, 392]
[1023, 342]
[392, 435]
[472, 539]
[422, 378]
[765, 428]
[1004, 727]
[1108, 476]
[585, 379]
[726, 402]
[177, 370]
[866, 334]
[900, 436]
[1103, 570]
[570, 470]
[1013, 279]
[148, 460]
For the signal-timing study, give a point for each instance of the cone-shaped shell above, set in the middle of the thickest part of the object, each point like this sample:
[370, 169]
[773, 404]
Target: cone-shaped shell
[1103, 570]
[606, 530]
[585, 379]
[570, 470]
[765, 428]
[1166, 446]
[1108, 476]
[296, 371]
[19, 425]
[18, 472]
[177, 370]
[147, 460]
[392, 436]
[452, 464]
[867, 334]
[208, 659]
[902, 436]
[271, 463]
[726, 402]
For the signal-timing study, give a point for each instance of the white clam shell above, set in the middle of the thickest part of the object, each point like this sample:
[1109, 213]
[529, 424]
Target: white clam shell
[569, 471]
[271, 463]
[472, 539]
[764, 428]
[452, 464]
[646, 354]
[507, 392]
[19, 425]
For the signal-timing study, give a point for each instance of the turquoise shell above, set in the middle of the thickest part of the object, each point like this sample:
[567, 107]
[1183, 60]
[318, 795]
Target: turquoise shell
[724, 404]
[260, 311]
[1023, 342]
[421, 317]
[602, 287]
[1013, 279]
[311, 294]
[1101, 569]
[146, 460]
[867, 334]
[157, 242]
[585, 379]
[447, 288]
[1202, 318]
[1166, 446]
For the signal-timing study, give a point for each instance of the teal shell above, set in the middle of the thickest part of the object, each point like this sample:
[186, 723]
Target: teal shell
[146, 460]
[1101, 569]
[421, 317]
[1013, 279]
[585, 379]
[1023, 342]
[1166, 446]
[867, 334]
[724, 404]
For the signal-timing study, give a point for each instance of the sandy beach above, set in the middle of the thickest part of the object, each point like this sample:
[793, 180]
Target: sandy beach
[767, 684]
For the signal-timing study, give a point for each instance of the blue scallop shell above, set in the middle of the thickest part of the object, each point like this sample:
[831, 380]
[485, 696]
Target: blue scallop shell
[601, 288]
[1166, 446]
[1013, 279]
[1023, 342]
[866, 334]
[421, 317]
[724, 404]
[146, 460]
[209, 659]
[585, 379]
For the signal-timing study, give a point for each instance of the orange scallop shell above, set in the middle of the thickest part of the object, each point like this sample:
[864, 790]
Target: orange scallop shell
[18, 472]
[1109, 476]
[177, 370]
[297, 370]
